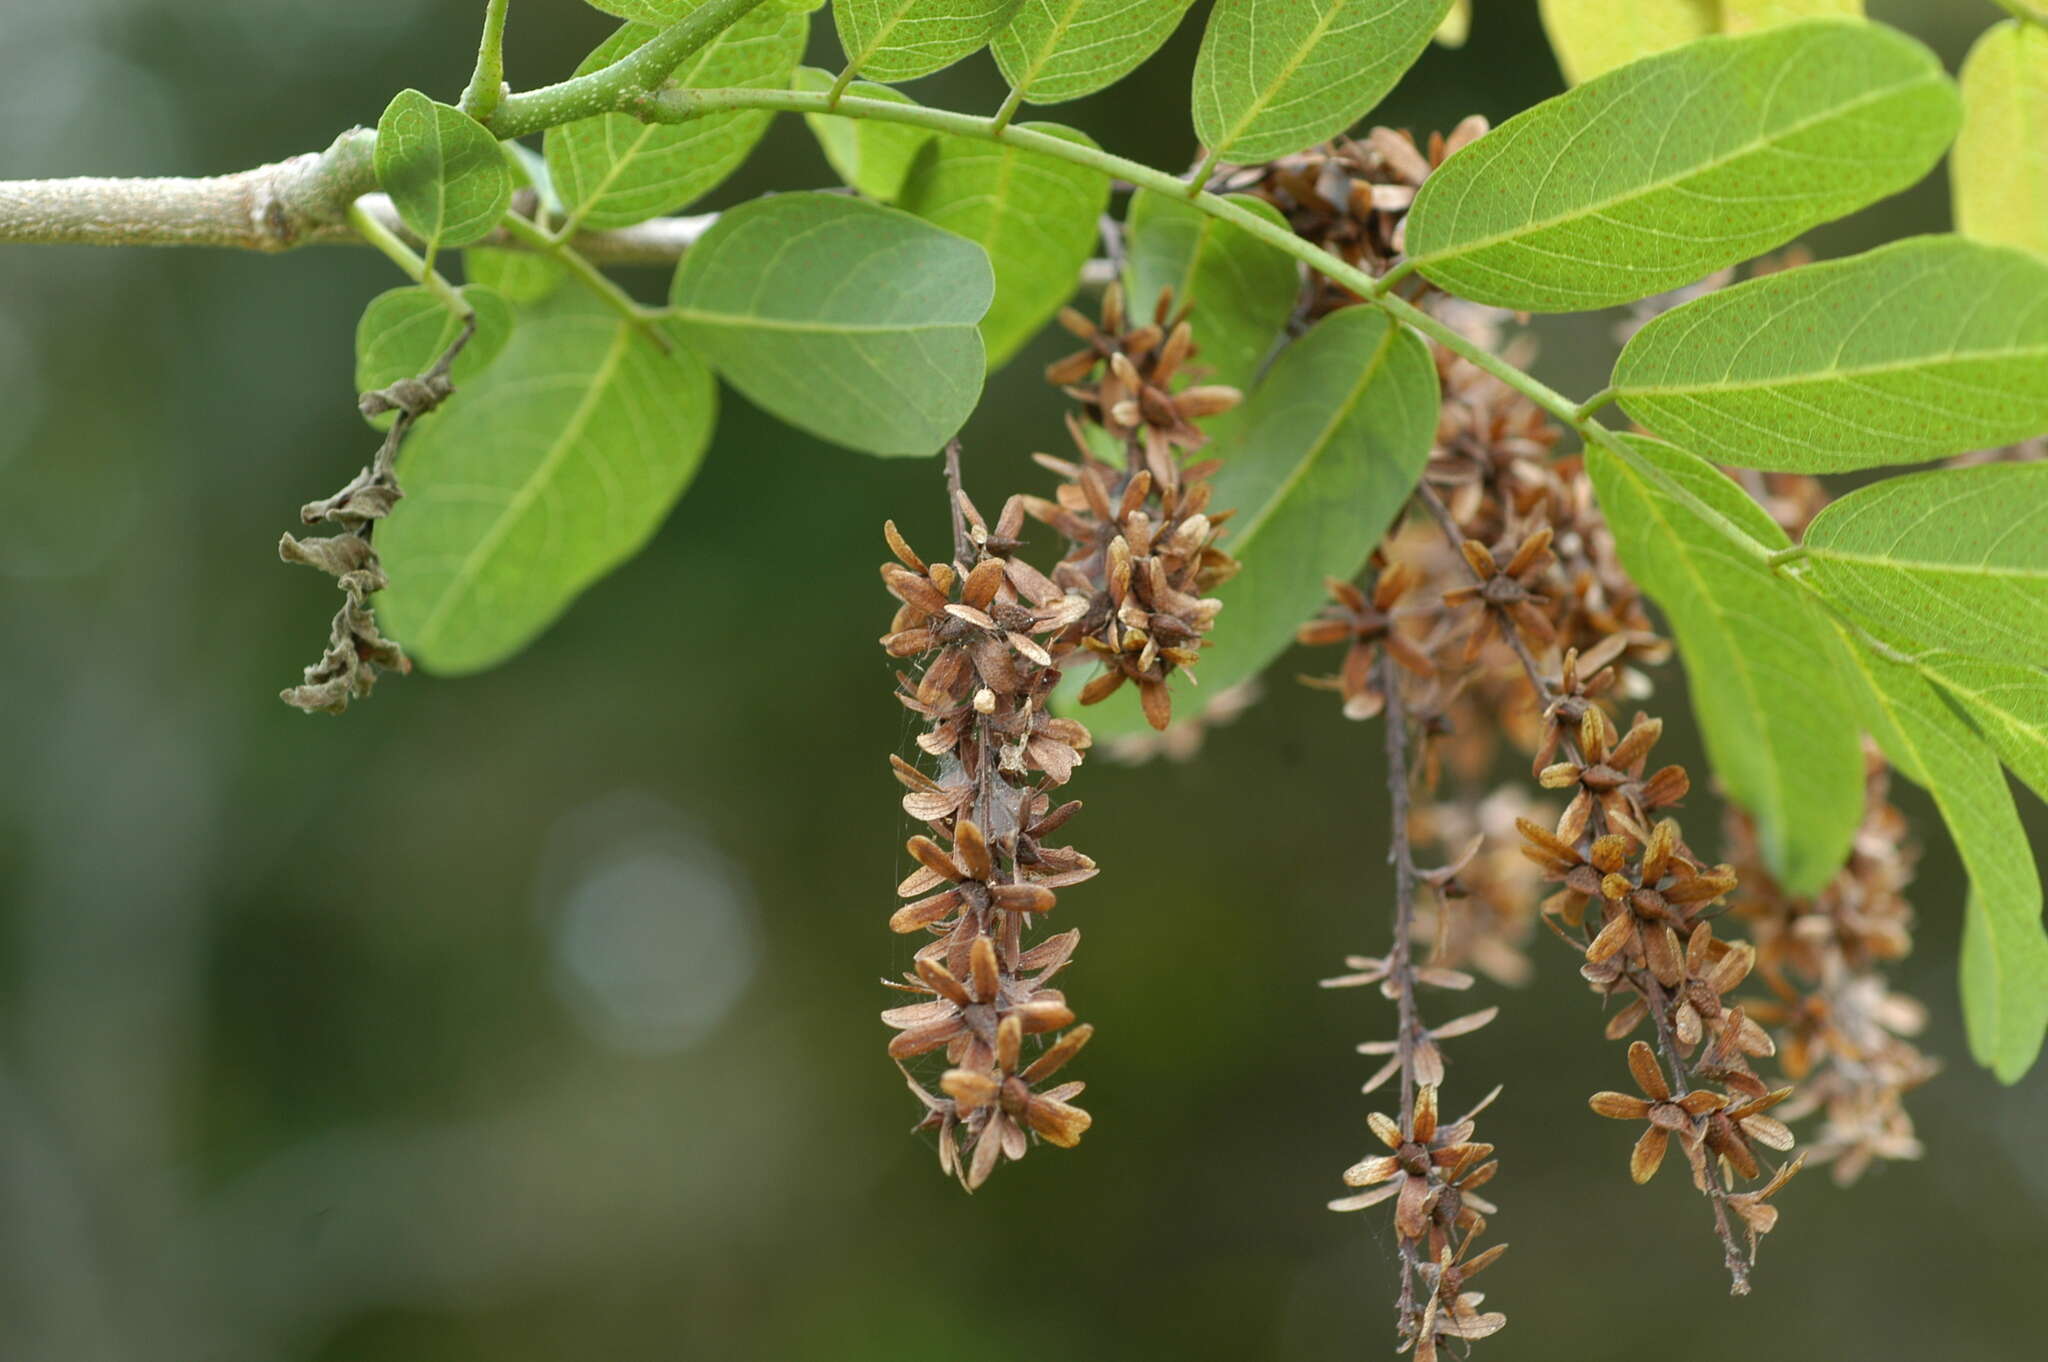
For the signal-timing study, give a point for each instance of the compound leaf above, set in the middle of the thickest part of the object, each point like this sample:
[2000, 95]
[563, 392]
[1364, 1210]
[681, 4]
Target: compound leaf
[443, 171]
[1761, 663]
[891, 40]
[548, 470]
[1924, 348]
[1677, 165]
[1592, 37]
[1330, 448]
[2004, 952]
[1241, 290]
[1056, 50]
[844, 318]
[1037, 217]
[614, 170]
[866, 153]
[1999, 168]
[1954, 559]
[1274, 78]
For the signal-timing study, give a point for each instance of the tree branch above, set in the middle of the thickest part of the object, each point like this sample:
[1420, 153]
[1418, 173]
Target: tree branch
[271, 208]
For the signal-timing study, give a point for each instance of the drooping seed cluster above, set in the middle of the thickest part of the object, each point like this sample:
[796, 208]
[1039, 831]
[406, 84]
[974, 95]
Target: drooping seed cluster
[1842, 1032]
[1509, 563]
[987, 867]
[987, 637]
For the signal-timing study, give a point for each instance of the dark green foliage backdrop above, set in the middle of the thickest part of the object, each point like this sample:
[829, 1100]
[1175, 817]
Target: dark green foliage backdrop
[531, 1016]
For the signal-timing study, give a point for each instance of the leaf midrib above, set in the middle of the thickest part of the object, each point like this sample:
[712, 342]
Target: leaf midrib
[1321, 444]
[1264, 101]
[1810, 376]
[747, 321]
[464, 577]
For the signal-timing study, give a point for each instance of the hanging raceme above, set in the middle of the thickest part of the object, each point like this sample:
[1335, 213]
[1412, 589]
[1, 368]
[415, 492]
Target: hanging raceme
[1302, 411]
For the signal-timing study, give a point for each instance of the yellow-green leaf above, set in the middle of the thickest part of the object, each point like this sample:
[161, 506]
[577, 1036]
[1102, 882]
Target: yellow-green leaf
[1592, 37]
[1740, 16]
[1999, 168]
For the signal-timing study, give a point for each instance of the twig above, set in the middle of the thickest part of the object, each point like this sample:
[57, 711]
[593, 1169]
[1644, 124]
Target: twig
[965, 551]
[1400, 959]
[486, 89]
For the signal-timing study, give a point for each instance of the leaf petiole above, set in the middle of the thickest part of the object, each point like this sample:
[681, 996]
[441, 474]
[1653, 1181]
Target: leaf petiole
[415, 268]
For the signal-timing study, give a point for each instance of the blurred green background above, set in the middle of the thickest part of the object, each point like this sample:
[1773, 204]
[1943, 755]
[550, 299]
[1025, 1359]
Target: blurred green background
[532, 1016]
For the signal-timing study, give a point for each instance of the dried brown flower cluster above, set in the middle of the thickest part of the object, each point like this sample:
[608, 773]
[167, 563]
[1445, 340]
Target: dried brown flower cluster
[1636, 901]
[1350, 197]
[989, 637]
[1842, 1033]
[1513, 564]
[977, 622]
[1142, 548]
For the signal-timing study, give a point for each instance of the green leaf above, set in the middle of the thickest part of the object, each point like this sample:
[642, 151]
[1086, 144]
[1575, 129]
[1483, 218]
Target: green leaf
[867, 154]
[1037, 217]
[520, 276]
[891, 40]
[443, 171]
[1999, 168]
[1761, 663]
[1592, 37]
[1924, 348]
[552, 468]
[405, 330]
[1056, 50]
[2005, 952]
[1331, 446]
[1677, 165]
[1741, 16]
[1955, 559]
[849, 320]
[1271, 79]
[2009, 704]
[613, 170]
[1241, 290]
